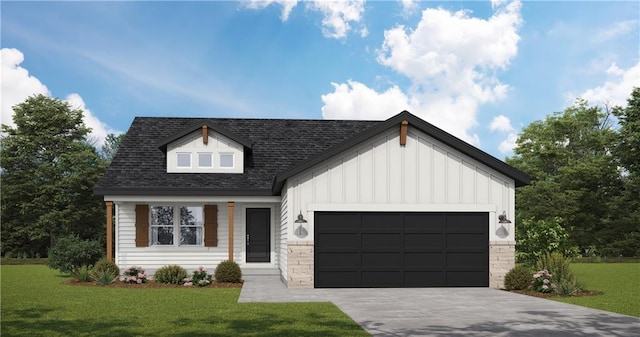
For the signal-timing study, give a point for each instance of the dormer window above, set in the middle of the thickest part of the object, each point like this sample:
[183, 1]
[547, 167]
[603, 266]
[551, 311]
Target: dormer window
[183, 159]
[205, 160]
[226, 160]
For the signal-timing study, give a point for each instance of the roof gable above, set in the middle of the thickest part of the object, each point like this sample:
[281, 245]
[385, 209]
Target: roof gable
[211, 125]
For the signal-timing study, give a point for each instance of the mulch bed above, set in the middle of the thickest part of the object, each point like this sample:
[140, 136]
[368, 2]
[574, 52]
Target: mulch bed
[150, 284]
[547, 295]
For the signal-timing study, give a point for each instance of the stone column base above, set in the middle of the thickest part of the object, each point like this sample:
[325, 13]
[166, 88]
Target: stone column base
[502, 257]
[300, 264]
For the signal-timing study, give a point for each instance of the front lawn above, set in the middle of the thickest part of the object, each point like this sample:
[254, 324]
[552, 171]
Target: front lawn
[36, 303]
[619, 283]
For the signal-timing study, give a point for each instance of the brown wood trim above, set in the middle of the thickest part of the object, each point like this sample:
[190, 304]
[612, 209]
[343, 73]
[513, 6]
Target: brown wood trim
[210, 225]
[230, 207]
[205, 134]
[142, 225]
[403, 132]
[109, 205]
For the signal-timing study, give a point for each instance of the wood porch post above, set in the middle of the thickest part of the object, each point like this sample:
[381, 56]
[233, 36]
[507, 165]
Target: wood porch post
[109, 230]
[230, 207]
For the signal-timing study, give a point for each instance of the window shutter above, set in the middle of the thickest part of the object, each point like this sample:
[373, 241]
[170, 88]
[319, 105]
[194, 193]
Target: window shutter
[142, 225]
[210, 225]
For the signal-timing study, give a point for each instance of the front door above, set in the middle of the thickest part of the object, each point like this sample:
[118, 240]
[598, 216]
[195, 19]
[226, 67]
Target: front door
[258, 238]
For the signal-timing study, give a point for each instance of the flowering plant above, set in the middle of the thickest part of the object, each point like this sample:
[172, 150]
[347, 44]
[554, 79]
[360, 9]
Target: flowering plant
[134, 274]
[542, 282]
[200, 278]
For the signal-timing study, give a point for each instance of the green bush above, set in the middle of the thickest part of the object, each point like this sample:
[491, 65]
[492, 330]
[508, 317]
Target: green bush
[70, 252]
[228, 271]
[104, 277]
[105, 265]
[535, 238]
[82, 273]
[567, 288]
[135, 274]
[200, 278]
[557, 265]
[518, 278]
[172, 274]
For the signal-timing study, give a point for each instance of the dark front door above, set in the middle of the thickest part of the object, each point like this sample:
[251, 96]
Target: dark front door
[258, 238]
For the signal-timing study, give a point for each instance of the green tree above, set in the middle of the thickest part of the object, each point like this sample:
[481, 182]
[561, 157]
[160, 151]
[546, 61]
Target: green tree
[48, 172]
[111, 145]
[574, 174]
[535, 238]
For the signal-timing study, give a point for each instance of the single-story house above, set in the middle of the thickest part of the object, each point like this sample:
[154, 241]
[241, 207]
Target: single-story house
[326, 203]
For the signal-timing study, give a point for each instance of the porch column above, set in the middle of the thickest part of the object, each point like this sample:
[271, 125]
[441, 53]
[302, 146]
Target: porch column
[230, 206]
[109, 230]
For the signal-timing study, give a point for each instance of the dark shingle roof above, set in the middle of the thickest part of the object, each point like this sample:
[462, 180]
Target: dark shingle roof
[280, 148]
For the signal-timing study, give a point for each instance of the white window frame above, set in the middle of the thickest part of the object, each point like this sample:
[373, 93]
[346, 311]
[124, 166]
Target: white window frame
[210, 154]
[178, 160]
[233, 160]
[177, 226]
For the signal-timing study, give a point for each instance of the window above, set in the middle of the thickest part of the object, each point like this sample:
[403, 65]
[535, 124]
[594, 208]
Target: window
[184, 159]
[162, 225]
[226, 160]
[205, 159]
[191, 221]
[188, 223]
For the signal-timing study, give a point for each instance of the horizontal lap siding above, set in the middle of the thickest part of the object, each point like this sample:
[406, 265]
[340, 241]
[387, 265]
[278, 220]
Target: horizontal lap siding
[282, 232]
[154, 257]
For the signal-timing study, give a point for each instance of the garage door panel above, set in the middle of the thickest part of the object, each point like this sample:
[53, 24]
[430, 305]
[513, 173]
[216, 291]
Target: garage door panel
[381, 241]
[423, 241]
[333, 241]
[424, 260]
[340, 260]
[390, 260]
[412, 249]
[466, 241]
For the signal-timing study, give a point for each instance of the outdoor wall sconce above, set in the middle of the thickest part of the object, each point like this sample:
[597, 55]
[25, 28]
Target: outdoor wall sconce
[503, 230]
[301, 231]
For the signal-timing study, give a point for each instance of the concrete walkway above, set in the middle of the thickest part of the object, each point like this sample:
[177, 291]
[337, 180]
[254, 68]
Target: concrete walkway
[450, 311]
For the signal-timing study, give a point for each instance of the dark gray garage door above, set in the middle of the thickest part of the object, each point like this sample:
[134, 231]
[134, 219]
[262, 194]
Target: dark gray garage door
[375, 249]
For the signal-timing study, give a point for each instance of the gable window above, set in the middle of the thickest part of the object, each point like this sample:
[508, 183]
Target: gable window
[187, 223]
[205, 159]
[184, 159]
[226, 160]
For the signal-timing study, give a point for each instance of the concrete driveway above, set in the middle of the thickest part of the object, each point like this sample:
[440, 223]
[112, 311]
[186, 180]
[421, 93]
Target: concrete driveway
[450, 311]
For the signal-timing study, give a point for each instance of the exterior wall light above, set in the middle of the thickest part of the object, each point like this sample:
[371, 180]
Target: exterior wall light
[301, 223]
[505, 225]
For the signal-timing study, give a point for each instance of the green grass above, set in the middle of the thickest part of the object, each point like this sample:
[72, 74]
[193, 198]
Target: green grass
[619, 283]
[36, 303]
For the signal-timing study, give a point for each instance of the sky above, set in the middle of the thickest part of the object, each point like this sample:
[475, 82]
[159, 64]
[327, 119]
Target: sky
[480, 70]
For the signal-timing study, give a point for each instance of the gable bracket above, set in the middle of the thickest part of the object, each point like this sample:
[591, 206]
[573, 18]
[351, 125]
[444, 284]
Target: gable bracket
[403, 132]
[205, 134]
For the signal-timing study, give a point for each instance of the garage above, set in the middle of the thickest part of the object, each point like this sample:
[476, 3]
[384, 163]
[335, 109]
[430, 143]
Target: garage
[401, 249]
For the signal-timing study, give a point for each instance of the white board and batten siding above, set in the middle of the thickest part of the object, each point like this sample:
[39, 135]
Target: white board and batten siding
[381, 175]
[189, 257]
[216, 144]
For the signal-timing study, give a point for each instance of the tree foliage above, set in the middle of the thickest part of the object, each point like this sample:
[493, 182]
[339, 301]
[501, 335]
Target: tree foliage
[48, 172]
[575, 158]
[111, 145]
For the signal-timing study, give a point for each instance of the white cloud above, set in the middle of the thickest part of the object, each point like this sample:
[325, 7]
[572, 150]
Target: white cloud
[616, 29]
[409, 7]
[507, 145]
[17, 85]
[451, 59]
[617, 88]
[501, 123]
[287, 6]
[338, 16]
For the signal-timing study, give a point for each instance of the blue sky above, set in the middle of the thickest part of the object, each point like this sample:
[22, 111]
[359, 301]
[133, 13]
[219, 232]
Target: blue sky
[480, 70]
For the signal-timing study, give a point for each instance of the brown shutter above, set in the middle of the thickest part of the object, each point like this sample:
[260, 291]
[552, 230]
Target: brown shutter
[210, 225]
[142, 225]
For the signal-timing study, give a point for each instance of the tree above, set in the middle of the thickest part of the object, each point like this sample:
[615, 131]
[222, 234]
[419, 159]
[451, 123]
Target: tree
[575, 177]
[111, 145]
[48, 172]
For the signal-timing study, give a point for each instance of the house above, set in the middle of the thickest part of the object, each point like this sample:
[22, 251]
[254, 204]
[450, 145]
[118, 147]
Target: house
[326, 203]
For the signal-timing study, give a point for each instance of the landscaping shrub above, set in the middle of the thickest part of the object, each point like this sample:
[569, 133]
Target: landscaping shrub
[134, 274]
[82, 273]
[557, 265]
[103, 265]
[172, 274]
[228, 271]
[104, 277]
[70, 252]
[518, 278]
[567, 288]
[200, 278]
[542, 282]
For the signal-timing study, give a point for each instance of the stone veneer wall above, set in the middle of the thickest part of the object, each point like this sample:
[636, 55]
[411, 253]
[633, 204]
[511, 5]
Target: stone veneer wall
[300, 264]
[502, 257]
